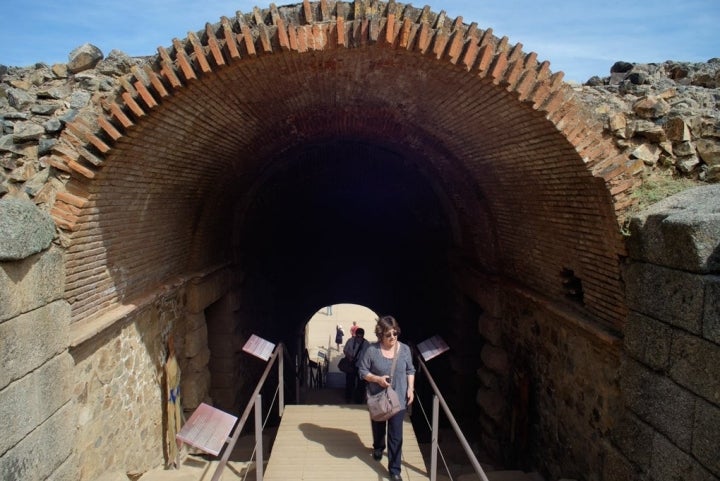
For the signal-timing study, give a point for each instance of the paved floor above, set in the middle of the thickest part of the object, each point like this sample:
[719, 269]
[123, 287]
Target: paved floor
[333, 442]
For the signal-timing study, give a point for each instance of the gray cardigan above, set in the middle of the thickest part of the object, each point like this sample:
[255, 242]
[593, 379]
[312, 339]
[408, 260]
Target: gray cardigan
[373, 362]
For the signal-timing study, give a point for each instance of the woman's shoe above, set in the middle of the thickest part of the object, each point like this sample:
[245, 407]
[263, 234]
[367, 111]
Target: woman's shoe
[377, 454]
[396, 477]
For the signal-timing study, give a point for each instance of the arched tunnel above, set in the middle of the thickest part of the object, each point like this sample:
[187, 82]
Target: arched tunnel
[361, 152]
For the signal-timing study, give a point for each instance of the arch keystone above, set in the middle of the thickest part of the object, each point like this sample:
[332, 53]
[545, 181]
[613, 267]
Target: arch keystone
[307, 12]
[168, 68]
[229, 36]
[108, 127]
[424, 38]
[154, 79]
[390, 29]
[264, 36]
[199, 51]
[405, 30]
[183, 60]
[132, 105]
[246, 34]
[145, 94]
[118, 113]
[340, 27]
[498, 67]
[214, 45]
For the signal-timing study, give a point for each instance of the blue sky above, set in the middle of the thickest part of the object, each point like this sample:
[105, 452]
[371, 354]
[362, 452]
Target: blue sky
[581, 38]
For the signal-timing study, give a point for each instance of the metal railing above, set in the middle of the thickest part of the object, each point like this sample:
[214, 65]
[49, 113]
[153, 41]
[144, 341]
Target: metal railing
[256, 404]
[439, 401]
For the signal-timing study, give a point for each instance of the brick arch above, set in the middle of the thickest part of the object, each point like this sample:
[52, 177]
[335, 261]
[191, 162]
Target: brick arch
[512, 123]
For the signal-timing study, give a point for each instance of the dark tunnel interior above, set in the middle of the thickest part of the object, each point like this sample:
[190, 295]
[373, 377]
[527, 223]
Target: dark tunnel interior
[347, 222]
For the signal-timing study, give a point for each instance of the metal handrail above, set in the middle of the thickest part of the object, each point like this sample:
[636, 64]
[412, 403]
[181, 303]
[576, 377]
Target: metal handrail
[255, 403]
[438, 399]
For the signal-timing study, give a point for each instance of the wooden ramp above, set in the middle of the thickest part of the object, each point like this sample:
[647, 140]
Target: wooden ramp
[334, 442]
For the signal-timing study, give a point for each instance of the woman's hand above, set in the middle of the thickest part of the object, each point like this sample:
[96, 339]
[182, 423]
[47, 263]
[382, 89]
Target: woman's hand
[383, 381]
[410, 395]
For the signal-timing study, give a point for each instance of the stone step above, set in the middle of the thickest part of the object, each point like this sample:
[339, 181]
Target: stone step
[513, 476]
[501, 476]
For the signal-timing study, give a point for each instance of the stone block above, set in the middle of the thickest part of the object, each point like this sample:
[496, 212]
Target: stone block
[495, 359]
[681, 232]
[221, 364]
[706, 439]
[487, 378]
[669, 462]
[648, 340]
[671, 296]
[492, 403]
[634, 437]
[29, 340]
[112, 476]
[659, 401]
[194, 321]
[31, 400]
[43, 451]
[225, 399]
[490, 328]
[200, 362]
[30, 283]
[617, 466]
[194, 389]
[711, 314]
[196, 341]
[68, 471]
[201, 293]
[695, 364]
[25, 229]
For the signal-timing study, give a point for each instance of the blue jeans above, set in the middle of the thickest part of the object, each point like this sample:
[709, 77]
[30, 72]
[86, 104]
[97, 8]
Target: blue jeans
[394, 428]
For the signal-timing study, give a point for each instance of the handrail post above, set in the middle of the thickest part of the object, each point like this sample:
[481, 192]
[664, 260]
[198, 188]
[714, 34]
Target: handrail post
[458, 432]
[434, 436]
[258, 438]
[246, 413]
[281, 382]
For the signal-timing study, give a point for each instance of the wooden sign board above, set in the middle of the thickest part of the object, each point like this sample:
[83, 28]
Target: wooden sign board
[432, 347]
[207, 429]
[259, 347]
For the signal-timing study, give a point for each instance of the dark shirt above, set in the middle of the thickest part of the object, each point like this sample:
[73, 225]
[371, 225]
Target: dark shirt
[373, 362]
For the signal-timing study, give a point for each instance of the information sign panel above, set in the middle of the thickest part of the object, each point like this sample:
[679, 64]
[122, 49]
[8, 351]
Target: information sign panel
[207, 429]
[259, 347]
[432, 347]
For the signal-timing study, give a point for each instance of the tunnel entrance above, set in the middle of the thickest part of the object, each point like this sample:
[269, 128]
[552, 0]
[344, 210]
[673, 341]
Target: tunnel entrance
[347, 221]
[361, 152]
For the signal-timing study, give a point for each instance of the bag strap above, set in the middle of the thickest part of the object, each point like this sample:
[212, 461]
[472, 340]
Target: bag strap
[357, 349]
[394, 363]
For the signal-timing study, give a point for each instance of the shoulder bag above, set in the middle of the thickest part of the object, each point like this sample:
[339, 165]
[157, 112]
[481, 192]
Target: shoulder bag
[385, 404]
[346, 364]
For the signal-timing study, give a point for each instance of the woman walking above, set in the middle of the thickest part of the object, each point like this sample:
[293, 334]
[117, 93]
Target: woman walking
[375, 369]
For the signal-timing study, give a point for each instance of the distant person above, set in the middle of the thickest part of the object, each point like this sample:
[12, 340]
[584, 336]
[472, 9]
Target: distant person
[339, 334]
[354, 351]
[375, 368]
[328, 310]
[353, 329]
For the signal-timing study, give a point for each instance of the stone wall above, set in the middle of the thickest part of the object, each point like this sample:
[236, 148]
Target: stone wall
[549, 388]
[77, 400]
[119, 394]
[670, 378]
[36, 409]
[119, 379]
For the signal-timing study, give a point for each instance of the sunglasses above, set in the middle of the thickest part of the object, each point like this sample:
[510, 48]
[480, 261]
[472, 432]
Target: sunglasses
[391, 334]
